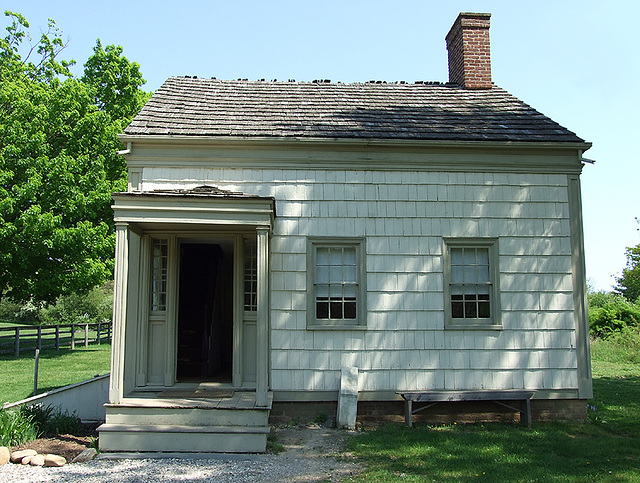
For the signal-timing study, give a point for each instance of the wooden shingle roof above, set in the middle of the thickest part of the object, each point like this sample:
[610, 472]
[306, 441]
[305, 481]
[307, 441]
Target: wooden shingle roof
[186, 106]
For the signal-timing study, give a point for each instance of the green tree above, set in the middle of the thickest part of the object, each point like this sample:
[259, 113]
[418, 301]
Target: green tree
[58, 168]
[46, 50]
[629, 283]
[115, 82]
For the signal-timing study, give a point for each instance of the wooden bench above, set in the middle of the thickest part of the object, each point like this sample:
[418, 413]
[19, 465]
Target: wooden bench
[431, 398]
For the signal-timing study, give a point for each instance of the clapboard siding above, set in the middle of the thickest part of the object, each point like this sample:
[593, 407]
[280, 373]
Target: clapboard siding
[404, 215]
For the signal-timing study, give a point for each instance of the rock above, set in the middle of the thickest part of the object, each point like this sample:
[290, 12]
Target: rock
[5, 455]
[54, 460]
[16, 456]
[27, 459]
[37, 460]
[87, 455]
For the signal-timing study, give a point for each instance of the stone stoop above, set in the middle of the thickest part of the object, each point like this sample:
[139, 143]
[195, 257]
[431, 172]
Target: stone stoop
[184, 426]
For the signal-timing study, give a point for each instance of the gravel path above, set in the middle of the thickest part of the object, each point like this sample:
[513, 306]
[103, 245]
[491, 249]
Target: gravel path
[310, 456]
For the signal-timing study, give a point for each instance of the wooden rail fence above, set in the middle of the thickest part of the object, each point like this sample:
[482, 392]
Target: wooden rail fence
[28, 338]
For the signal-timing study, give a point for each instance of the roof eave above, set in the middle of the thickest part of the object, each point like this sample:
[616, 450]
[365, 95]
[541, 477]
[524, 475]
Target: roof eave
[266, 140]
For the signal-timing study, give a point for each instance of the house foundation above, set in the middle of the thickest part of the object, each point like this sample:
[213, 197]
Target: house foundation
[372, 413]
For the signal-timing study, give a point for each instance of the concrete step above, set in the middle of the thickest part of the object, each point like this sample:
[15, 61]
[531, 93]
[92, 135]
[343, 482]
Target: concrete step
[118, 414]
[207, 425]
[182, 438]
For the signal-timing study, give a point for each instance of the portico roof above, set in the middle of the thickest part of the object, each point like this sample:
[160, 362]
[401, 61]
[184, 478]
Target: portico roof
[201, 205]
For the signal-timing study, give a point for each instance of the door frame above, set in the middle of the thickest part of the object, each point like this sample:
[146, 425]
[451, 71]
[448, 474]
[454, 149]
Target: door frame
[242, 320]
[172, 214]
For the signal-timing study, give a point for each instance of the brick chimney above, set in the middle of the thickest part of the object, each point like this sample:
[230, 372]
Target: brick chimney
[469, 51]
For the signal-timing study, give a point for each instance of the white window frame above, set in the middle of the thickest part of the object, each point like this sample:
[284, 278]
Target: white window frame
[494, 321]
[159, 283]
[250, 276]
[359, 322]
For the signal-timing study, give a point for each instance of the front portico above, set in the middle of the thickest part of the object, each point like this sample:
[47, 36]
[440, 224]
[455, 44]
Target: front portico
[191, 314]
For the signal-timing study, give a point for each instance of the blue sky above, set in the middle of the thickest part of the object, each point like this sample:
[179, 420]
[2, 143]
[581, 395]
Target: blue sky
[578, 62]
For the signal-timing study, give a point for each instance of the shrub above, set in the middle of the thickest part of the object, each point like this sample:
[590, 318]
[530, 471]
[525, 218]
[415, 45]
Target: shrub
[65, 423]
[8, 309]
[38, 415]
[26, 423]
[16, 428]
[27, 313]
[94, 306]
[49, 420]
[610, 313]
[619, 347]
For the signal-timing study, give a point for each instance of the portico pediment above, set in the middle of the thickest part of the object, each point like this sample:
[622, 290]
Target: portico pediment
[203, 205]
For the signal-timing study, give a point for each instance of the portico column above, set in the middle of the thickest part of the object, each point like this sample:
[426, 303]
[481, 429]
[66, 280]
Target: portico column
[119, 313]
[262, 329]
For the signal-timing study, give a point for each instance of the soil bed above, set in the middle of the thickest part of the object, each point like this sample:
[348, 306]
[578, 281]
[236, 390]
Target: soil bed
[66, 445]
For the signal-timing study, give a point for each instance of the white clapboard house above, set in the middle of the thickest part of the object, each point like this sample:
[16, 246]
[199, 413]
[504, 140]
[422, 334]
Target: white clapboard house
[273, 233]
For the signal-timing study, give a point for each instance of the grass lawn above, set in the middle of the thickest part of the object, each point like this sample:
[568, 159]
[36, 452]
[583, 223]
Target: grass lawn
[606, 448]
[56, 369]
[12, 324]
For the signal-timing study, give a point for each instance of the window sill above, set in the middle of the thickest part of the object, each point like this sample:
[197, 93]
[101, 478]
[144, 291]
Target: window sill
[336, 327]
[472, 326]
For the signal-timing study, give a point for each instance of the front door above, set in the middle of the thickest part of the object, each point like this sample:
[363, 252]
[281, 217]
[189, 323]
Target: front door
[205, 312]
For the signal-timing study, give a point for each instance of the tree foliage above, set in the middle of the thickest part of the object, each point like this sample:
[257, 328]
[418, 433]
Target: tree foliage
[629, 283]
[114, 81]
[611, 313]
[45, 66]
[58, 165]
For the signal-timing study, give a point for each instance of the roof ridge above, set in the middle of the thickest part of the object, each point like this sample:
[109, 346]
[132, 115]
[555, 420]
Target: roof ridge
[315, 81]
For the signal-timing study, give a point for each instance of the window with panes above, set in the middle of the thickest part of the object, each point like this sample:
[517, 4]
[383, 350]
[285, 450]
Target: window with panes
[159, 268]
[250, 276]
[471, 283]
[336, 282]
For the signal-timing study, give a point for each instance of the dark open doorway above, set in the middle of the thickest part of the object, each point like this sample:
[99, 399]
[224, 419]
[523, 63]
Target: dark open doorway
[205, 312]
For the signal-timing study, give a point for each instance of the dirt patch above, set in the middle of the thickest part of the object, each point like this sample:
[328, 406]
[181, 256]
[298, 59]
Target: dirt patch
[319, 450]
[66, 445]
[312, 438]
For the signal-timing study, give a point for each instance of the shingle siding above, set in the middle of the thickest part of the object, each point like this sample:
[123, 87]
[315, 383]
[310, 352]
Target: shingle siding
[404, 216]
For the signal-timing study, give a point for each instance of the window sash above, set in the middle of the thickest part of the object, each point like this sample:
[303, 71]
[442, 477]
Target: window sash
[335, 283]
[470, 286]
[250, 276]
[159, 274]
[470, 282]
